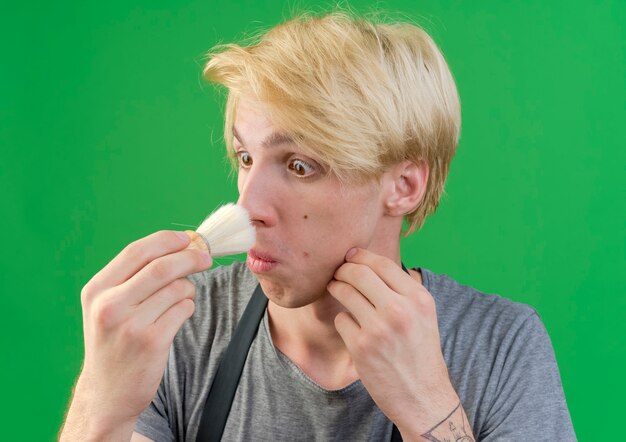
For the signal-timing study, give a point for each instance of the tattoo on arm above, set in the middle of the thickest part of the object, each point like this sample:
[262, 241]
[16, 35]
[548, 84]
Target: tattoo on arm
[455, 427]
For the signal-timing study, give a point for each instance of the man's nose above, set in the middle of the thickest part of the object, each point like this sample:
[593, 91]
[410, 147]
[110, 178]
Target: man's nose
[257, 194]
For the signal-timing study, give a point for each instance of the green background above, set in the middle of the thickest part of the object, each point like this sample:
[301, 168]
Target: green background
[108, 133]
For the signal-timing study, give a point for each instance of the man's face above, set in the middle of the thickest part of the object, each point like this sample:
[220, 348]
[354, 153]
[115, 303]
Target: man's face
[305, 219]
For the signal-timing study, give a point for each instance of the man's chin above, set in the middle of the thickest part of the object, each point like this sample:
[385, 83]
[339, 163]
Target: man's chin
[286, 296]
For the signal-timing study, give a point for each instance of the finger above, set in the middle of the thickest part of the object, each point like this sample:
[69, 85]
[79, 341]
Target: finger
[353, 300]
[168, 324]
[151, 309]
[388, 271]
[161, 272]
[347, 328]
[366, 281]
[136, 256]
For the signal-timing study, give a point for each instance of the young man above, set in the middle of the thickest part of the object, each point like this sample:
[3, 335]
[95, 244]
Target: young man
[341, 129]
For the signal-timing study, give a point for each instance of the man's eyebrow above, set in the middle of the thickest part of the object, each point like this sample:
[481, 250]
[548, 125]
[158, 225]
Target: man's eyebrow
[272, 139]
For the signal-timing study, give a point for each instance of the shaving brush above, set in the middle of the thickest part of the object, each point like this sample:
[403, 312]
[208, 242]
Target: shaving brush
[226, 231]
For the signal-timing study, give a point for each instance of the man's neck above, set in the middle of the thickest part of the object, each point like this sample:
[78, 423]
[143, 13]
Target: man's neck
[307, 336]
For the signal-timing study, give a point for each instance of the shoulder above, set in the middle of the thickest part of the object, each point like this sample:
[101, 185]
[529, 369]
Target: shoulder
[222, 294]
[464, 308]
[234, 275]
[501, 362]
[227, 287]
[218, 285]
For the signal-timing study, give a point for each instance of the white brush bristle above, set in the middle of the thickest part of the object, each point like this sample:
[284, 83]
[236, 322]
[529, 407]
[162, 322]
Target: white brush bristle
[228, 230]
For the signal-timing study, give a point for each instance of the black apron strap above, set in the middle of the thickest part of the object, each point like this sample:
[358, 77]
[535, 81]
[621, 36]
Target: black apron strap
[222, 392]
[224, 386]
[395, 435]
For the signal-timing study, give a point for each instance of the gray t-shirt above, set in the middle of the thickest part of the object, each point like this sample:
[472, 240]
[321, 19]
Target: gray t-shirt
[499, 356]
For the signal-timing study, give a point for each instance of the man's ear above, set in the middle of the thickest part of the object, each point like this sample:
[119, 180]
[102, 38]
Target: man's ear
[406, 186]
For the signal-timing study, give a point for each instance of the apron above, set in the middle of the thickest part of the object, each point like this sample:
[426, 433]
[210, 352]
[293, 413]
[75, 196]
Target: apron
[222, 392]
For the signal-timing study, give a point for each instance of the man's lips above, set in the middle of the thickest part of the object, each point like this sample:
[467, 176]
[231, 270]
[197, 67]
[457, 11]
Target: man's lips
[260, 262]
[263, 256]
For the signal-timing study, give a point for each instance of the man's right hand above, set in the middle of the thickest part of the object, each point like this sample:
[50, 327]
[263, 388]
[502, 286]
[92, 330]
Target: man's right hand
[132, 309]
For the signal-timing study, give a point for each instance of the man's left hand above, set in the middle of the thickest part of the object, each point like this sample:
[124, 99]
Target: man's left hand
[390, 329]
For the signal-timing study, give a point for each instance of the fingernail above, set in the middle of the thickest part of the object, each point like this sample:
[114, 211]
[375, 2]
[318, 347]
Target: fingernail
[183, 236]
[208, 260]
[351, 253]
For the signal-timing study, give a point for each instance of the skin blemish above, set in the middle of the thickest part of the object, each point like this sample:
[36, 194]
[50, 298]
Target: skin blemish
[306, 216]
[306, 255]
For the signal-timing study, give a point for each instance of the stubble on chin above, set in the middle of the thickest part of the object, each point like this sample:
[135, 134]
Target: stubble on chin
[290, 297]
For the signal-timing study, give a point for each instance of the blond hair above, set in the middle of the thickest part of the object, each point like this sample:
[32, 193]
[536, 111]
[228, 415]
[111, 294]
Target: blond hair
[360, 95]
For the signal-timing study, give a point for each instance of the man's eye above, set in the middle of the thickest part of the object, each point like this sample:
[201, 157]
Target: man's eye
[300, 167]
[245, 159]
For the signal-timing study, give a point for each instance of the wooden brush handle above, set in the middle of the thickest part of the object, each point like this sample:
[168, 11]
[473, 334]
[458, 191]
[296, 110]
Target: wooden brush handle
[197, 242]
